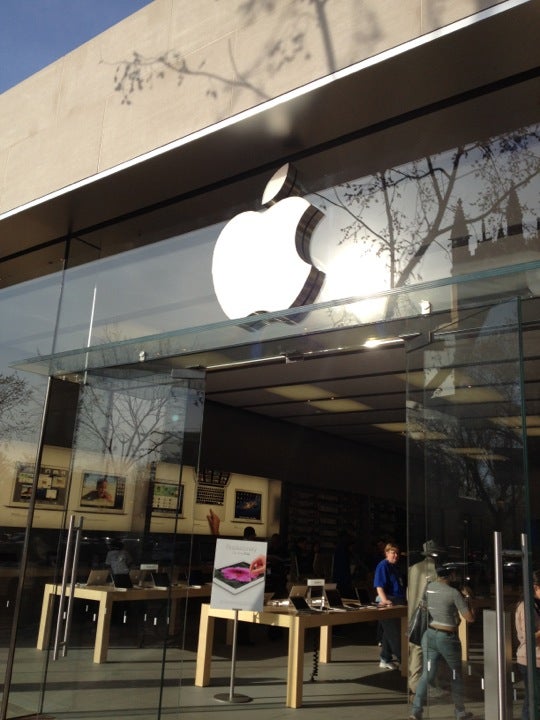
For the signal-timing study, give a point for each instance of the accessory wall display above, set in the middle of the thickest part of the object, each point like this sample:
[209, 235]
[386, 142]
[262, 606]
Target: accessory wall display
[167, 498]
[51, 485]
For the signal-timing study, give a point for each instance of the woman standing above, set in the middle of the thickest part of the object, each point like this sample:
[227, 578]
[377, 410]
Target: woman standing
[522, 639]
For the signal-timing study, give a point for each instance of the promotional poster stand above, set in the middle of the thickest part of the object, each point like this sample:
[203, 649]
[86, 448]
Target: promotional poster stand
[231, 696]
[238, 584]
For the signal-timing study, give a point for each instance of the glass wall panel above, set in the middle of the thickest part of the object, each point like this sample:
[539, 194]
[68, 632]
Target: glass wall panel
[467, 485]
[119, 557]
[29, 307]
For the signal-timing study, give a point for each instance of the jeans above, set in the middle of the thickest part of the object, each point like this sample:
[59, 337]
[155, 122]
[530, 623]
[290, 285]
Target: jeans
[435, 644]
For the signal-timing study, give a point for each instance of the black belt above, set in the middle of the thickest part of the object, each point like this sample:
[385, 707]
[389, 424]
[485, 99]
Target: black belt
[448, 632]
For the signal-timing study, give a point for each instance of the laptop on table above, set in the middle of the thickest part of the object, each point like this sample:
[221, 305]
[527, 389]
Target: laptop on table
[335, 601]
[122, 581]
[161, 580]
[135, 575]
[300, 605]
[297, 600]
[98, 578]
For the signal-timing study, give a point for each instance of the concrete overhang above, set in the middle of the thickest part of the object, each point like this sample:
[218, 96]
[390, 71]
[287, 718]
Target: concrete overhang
[472, 62]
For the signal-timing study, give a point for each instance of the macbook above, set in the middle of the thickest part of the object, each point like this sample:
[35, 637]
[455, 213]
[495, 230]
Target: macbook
[300, 590]
[98, 577]
[161, 580]
[122, 581]
[363, 596]
[300, 604]
[297, 599]
[335, 601]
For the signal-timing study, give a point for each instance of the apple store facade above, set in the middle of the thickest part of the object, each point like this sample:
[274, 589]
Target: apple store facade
[332, 293]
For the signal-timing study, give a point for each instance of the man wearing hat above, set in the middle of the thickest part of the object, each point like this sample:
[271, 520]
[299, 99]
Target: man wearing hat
[420, 574]
[441, 640]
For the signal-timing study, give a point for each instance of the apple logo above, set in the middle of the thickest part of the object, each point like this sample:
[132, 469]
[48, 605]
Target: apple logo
[261, 260]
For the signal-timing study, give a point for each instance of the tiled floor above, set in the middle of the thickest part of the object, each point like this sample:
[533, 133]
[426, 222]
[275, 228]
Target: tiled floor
[128, 685]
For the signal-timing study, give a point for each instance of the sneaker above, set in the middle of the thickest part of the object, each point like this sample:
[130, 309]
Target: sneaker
[464, 715]
[415, 716]
[389, 665]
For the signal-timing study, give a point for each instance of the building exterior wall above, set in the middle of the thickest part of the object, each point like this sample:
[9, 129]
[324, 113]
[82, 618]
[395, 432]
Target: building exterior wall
[177, 66]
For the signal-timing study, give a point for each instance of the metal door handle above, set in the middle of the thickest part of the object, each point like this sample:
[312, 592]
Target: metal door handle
[69, 570]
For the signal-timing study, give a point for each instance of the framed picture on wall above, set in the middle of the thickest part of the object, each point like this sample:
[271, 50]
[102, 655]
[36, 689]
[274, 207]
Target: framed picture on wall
[248, 506]
[167, 498]
[51, 485]
[102, 491]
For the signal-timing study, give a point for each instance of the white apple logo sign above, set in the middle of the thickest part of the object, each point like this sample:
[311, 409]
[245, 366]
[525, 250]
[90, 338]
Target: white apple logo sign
[261, 260]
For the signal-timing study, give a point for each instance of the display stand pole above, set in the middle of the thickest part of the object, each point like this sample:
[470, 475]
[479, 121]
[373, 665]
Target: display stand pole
[231, 696]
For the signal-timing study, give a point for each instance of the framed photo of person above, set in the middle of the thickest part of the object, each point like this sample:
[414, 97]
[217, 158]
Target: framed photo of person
[51, 485]
[103, 491]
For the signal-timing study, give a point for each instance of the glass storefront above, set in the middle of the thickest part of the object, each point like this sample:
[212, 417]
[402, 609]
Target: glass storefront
[467, 482]
[435, 250]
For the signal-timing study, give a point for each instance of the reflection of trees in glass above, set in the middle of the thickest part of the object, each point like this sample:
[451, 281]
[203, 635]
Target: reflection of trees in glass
[474, 463]
[15, 398]
[133, 422]
[403, 213]
[471, 401]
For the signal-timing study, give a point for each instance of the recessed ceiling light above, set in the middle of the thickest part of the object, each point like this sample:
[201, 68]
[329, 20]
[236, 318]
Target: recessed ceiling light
[300, 392]
[339, 405]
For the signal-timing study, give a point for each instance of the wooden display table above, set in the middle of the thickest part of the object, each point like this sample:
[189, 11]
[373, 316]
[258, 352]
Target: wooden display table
[106, 596]
[297, 624]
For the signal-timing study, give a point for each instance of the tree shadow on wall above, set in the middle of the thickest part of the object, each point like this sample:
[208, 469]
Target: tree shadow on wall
[295, 41]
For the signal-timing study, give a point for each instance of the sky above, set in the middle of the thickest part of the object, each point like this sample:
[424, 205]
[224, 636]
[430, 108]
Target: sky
[35, 33]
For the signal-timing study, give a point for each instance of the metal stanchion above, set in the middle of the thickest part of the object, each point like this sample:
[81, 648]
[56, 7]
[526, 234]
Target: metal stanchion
[231, 696]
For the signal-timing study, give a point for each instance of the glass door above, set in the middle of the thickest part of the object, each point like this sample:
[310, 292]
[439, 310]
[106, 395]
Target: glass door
[468, 510]
[111, 606]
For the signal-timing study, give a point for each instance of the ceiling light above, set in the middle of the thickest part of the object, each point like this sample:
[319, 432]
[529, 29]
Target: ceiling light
[399, 427]
[414, 430]
[476, 453]
[300, 392]
[339, 405]
[474, 395]
[514, 421]
[243, 363]
[372, 343]
[452, 385]
[426, 435]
